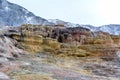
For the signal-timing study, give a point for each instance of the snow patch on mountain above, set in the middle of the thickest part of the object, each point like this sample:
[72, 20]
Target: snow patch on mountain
[61, 22]
[15, 15]
[113, 29]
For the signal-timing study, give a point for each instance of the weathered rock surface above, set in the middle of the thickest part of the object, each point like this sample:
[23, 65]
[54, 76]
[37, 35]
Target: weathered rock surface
[59, 54]
[8, 53]
[50, 67]
[4, 76]
[67, 41]
[8, 48]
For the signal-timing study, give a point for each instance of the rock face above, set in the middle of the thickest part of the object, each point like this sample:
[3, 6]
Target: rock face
[71, 35]
[8, 52]
[98, 43]
[34, 38]
[8, 48]
[63, 53]
[15, 15]
[4, 76]
[76, 41]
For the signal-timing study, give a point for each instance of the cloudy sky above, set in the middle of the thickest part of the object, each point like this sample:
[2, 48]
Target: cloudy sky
[94, 12]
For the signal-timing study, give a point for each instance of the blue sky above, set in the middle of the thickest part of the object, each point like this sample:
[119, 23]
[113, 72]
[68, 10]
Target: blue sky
[94, 12]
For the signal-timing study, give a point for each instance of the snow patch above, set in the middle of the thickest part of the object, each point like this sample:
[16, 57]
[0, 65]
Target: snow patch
[29, 18]
[118, 54]
[7, 8]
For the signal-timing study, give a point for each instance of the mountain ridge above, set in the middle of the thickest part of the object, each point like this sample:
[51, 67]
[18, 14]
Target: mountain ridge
[113, 29]
[14, 15]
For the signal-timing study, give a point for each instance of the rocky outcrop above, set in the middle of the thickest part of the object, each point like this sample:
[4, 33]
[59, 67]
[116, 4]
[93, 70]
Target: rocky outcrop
[8, 48]
[35, 38]
[71, 35]
[59, 53]
[66, 41]
[8, 52]
[96, 43]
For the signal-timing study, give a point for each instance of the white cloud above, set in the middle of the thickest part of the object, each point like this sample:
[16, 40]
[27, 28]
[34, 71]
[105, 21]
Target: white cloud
[109, 10]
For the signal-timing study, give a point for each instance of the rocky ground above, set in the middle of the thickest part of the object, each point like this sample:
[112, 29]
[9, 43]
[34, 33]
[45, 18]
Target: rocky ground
[33, 52]
[49, 67]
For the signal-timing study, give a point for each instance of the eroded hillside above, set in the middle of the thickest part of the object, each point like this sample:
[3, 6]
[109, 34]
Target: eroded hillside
[35, 52]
